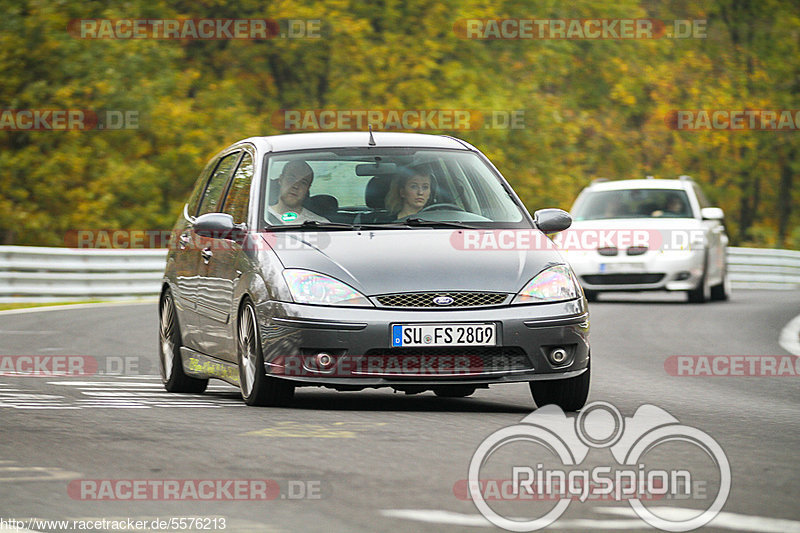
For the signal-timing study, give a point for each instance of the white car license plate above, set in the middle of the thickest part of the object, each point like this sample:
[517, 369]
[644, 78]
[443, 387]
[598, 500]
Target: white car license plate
[621, 268]
[444, 335]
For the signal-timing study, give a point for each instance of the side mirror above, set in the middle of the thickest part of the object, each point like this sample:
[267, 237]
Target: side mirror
[712, 213]
[215, 225]
[552, 220]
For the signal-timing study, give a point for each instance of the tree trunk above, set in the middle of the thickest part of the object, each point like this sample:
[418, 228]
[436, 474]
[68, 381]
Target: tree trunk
[785, 197]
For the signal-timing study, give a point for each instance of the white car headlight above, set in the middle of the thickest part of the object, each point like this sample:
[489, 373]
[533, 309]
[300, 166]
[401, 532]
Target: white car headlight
[307, 287]
[554, 284]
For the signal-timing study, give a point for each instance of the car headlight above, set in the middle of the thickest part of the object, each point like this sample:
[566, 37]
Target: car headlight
[554, 284]
[308, 287]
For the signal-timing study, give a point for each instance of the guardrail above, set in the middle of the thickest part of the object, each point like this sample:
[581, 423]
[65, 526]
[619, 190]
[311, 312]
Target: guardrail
[760, 268]
[31, 274]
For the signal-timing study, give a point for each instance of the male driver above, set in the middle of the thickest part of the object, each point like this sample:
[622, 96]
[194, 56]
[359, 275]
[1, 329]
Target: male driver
[294, 182]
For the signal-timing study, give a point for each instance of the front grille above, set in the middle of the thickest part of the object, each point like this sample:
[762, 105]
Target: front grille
[450, 359]
[608, 250]
[637, 250]
[622, 279]
[425, 299]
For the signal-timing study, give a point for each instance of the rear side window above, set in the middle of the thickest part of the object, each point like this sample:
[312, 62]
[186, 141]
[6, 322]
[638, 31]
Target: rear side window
[199, 187]
[216, 185]
[239, 193]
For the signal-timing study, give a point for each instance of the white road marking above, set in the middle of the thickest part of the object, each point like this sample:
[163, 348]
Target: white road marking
[724, 520]
[27, 332]
[790, 336]
[119, 394]
[93, 384]
[435, 516]
[12, 474]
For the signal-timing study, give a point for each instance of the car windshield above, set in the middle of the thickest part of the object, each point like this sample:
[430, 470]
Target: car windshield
[385, 188]
[633, 203]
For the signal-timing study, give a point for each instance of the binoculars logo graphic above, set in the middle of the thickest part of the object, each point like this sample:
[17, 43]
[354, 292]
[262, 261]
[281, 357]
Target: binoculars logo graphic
[599, 425]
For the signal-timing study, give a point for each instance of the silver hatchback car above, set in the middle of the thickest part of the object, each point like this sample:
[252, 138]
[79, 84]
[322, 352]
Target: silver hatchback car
[339, 260]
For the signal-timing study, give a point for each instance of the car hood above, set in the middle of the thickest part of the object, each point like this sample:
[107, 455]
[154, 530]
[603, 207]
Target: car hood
[391, 261]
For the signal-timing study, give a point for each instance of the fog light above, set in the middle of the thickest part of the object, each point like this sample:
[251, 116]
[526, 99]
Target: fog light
[324, 361]
[558, 355]
[683, 275]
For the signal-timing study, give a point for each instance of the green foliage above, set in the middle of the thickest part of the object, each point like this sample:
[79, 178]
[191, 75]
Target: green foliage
[593, 108]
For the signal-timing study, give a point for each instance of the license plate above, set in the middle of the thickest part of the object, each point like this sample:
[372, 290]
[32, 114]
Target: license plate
[444, 335]
[609, 268]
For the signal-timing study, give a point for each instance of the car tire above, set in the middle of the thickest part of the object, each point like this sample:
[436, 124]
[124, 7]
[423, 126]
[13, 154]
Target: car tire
[169, 351]
[257, 388]
[569, 394]
[454, 391]
[591, 296]
[701, 293]
[722, 292]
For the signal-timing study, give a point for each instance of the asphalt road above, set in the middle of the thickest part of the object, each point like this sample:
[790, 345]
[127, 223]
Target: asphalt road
[378, 460]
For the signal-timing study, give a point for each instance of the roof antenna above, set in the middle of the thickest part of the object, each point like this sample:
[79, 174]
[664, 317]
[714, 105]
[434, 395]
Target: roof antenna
[371, 138]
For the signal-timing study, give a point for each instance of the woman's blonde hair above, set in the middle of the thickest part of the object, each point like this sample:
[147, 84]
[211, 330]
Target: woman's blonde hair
[394, 202]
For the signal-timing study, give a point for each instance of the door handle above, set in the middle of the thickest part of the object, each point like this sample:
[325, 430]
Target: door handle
[183, 241]
[207, 255]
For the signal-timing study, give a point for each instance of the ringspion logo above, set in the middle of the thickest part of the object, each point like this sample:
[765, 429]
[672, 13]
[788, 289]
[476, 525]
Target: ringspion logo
[548, 432]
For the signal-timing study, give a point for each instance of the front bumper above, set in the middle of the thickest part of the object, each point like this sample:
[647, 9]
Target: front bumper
[359, 343]
[653, 271]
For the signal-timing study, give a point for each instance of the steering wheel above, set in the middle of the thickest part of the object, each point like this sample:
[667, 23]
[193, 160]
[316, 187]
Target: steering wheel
[439, 207]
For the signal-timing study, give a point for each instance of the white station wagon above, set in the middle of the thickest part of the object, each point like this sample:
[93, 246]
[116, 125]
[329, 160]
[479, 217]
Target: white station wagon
[647, 234]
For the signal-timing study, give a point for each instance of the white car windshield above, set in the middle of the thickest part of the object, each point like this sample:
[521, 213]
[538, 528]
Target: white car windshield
[386, 187]
[633, 203]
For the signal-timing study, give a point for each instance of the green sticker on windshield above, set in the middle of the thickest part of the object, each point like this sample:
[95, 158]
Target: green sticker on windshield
[289, 216]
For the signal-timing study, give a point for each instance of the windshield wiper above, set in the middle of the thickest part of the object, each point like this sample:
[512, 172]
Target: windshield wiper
[421, 222]
[313, 225]
[409, 222]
